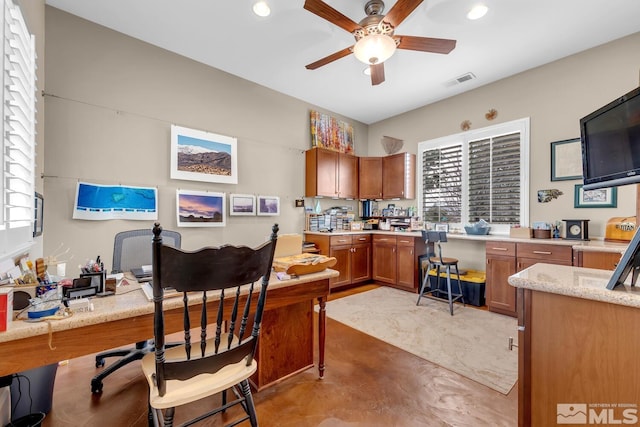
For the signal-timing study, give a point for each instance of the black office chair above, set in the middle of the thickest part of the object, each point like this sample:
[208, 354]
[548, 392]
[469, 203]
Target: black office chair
[224, 282]
[437, 261]
[131, 249]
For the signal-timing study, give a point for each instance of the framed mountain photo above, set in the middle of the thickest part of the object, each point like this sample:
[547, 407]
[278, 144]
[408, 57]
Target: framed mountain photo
[203, 156]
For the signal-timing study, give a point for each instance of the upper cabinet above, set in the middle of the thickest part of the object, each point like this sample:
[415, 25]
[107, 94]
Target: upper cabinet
[390, 177]
[330, 174]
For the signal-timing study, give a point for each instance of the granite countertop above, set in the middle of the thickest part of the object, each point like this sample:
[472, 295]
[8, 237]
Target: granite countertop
[578, 245]
[129, 301]
[586, 283]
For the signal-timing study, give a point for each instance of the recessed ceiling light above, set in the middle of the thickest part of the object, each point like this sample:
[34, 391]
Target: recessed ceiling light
[367, 71]
[261, 8]
[477, 12]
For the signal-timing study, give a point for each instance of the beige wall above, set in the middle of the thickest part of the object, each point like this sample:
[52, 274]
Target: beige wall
[555, 96]
[111, 100]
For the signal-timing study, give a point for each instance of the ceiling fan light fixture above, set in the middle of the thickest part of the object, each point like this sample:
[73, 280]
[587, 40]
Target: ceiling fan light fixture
[261, 8]
[374, 48]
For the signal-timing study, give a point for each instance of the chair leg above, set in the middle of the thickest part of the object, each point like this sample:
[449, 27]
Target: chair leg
[250, 406]
[168, 417]
[449, 289]
[425, 279]
[460, 285]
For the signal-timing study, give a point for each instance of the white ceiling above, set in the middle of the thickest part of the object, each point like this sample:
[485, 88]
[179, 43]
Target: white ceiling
[514, 36]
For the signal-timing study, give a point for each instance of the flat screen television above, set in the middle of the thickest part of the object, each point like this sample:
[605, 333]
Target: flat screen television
[610, 139]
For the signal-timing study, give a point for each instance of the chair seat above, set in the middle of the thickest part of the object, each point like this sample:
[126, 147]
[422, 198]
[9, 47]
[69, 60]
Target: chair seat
[443, 261]
[182, 392]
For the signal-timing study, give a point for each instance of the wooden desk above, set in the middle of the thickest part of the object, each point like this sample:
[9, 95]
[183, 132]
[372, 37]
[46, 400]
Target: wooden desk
[285, 346]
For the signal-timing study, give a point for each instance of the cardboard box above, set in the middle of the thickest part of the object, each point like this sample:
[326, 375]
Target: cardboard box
[520, 232]
[6, 307]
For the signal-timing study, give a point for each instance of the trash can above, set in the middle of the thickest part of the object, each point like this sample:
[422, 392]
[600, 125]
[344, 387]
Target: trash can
[32, 394]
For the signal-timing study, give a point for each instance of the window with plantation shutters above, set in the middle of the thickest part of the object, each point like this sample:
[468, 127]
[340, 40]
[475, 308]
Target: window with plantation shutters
[479, 174]
[494, 179]
[18, 132]
[442, 184]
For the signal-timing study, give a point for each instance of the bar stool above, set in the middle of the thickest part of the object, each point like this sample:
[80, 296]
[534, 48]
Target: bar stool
[431, 239]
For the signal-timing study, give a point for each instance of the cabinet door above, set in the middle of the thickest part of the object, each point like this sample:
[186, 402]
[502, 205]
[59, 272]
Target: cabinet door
[398, 176]
[406, 265]
[501, 297]
[360, 262]
[384, 261]
[347, 178]
[601, 260]
[342, 254]
[321, 171]
[370, 178]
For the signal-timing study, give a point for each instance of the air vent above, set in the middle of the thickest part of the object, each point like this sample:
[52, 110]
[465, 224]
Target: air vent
[460, 79]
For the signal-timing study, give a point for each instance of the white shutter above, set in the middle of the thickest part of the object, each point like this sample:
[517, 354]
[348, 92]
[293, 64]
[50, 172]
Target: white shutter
[442, 184]
[18, 131]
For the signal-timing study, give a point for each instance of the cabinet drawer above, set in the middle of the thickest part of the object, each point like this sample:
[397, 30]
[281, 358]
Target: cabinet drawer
[501, 248]
[404, 240]
[340, 240]
[545, 252]
[361, 238]
[384, 238]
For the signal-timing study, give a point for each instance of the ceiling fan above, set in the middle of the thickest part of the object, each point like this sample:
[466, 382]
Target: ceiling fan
[375, 38]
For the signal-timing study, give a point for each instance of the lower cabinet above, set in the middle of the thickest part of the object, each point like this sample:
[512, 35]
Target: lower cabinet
[507, 258]
[597, 259]
[353, 255]
[395, 260]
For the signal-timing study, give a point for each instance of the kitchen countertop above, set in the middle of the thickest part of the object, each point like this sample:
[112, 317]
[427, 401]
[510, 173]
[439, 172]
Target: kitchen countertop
[585, 283]
[577, 245]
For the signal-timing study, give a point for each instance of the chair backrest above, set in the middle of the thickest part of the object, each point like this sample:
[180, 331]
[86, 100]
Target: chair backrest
[132, 248]
[233, 272]
[432, 238]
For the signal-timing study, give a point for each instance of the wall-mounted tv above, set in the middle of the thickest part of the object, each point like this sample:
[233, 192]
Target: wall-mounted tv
[610, 138]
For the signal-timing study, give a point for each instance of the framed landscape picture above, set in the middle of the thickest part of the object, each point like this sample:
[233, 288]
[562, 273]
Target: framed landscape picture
[242, 204]
[203, 156]
[200, 208]
[268, 205]
[600, 198]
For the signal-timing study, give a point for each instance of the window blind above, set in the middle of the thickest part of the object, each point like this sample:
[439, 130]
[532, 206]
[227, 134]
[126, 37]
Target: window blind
[442, 184]
[18, 131]
[494, 179]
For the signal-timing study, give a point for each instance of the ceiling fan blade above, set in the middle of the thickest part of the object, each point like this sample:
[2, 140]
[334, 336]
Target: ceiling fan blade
[325, 11]
[377, 73]
[400, 11]
[426, 44]
[328, 59]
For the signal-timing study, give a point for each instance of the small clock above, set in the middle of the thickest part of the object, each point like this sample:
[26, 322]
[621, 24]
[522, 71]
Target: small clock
[576, 229]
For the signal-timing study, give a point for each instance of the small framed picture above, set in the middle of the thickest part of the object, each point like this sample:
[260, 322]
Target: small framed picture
[566, 160]
[38, 223]
[200, 208]
[356, 226]
[268, 205]
[242, 204]
[600, 198]
[441, 227]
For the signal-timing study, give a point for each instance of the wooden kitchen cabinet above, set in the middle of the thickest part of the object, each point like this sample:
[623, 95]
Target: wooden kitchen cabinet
[597, 259]
[399, 176]
[370, 178]
[395, 260]
[330, 174]
[353, 255]
[507, 258]
[390, 177]
[576, 351]
[501, 263]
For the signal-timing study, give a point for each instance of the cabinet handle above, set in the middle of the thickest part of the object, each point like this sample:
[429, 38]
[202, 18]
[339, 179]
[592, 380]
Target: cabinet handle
[500, 249]
[362, 239]
[542, 252]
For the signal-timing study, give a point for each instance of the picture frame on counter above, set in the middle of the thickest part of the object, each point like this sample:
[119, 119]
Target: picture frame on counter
[599, 198]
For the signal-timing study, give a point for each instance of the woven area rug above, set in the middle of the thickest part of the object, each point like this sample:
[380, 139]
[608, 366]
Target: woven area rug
[472, 342]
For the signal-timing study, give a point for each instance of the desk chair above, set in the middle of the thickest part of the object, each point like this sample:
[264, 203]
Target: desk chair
[131, 249]
[434, 238]
[193, 371]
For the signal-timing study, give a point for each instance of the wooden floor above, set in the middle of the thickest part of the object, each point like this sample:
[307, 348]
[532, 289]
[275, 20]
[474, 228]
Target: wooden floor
[367, 383]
